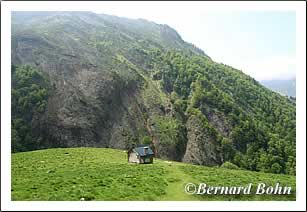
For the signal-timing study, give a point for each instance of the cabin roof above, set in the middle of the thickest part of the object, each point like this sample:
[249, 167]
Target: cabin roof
[140, 150]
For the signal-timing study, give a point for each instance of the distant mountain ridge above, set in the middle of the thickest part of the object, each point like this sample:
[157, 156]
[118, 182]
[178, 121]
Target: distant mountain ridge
[284, 87]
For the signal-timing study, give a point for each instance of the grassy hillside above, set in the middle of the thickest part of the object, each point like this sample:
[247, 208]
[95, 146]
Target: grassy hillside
[104, 174]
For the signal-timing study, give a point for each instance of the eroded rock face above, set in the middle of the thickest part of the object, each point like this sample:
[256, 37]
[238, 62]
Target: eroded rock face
[219, 123]
[201, 147]
[80, 109]
[87, 106]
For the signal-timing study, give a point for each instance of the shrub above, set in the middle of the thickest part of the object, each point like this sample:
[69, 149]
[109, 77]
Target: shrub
[146, 140]
[229, 165]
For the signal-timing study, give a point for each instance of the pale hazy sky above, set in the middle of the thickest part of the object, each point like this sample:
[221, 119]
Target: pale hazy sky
[260, 43]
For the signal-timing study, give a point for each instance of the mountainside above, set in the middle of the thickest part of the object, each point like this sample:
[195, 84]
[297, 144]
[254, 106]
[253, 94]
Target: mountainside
[91, 80]
[284, 87]
[99, 174]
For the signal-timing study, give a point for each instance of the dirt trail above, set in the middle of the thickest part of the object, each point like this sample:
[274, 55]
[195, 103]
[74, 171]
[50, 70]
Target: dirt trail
[177, 180]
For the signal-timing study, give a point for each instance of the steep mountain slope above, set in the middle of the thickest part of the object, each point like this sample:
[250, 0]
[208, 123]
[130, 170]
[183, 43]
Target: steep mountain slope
[115, 82]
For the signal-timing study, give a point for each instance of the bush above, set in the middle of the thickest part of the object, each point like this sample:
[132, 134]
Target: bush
[146, 140]
[229, 165]
[276, 168]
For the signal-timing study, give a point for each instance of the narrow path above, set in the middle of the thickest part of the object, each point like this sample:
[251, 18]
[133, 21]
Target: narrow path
[177, 180]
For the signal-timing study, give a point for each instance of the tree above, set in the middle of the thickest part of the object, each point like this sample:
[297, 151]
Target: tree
[30, 91]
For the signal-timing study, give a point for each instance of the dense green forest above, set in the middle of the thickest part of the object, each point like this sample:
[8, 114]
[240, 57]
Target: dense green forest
[30, 91]
[84, 79]
[262, 135]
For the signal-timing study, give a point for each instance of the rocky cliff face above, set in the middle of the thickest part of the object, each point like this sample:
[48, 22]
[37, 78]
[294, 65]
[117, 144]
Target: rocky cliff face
[117, 82]
[201, 148]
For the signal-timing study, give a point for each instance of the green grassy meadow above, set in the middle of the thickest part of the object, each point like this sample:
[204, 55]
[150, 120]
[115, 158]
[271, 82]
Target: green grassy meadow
[104, 174]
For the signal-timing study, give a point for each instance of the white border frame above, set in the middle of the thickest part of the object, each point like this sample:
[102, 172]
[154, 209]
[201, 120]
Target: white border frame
[7, 204]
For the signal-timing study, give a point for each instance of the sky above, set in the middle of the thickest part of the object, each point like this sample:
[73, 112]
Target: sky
[260, 43]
